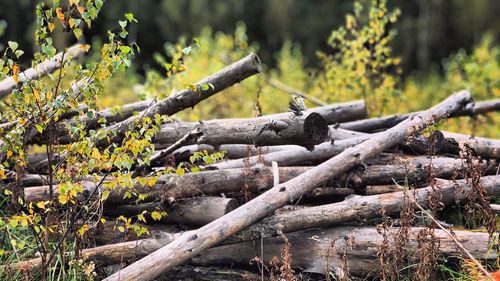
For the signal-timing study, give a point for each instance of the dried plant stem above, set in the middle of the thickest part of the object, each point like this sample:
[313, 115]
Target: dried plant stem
[480, 266]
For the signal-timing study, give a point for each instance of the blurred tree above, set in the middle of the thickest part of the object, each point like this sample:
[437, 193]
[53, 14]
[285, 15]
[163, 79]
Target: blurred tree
[429, 30]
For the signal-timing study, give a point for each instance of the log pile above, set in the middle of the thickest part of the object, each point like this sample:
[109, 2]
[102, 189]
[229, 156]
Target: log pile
[318, 180]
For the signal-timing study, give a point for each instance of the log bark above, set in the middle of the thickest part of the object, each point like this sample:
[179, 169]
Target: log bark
[253, 180]
[196, 211]
[8, 84]
[484, 147]
[173, 187]
[316, 251]
[322, 250]
[362, 208]
[306, 130]
[192, 273]
[375, 124]
[189, 245]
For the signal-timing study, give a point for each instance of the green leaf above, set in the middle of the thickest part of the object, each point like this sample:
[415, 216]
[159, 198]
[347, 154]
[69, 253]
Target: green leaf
[125, 49]
[39, 128]
[105, 195]
[186, 51]
[19, 53]
[123, 34]
[123, 23]
[13, 45]
[49, 50]
[77, 32]
[130, 17]
[98, 4]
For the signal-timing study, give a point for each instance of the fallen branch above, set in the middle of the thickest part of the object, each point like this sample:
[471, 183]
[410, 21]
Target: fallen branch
[44, 68]
[375, 124]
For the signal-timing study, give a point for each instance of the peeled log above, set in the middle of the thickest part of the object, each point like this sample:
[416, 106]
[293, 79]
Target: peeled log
[190, 244]
[44, 68]
[196, 211]
[306, 130]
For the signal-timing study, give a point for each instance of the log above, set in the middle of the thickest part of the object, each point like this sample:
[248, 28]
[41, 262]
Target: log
[232, 151]
[484, 147]
[306, 130]
[322, 250]
[173, 187]
[183, 99]
[191, 273]
[316, 251]
[379, 123]
[293, 156]
[196, 211]
[414, 171]
[44, 68]
[189, 245]
[177, 101]
[363, 208]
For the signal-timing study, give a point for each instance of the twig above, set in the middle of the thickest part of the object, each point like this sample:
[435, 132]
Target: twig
[190, 136]
[292, 91]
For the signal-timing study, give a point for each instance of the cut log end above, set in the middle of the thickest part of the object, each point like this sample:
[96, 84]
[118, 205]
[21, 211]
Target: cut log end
[315, 128]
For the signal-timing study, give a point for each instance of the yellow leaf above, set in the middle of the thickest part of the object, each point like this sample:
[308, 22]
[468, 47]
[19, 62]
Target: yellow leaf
[151, 181]
[60, 15]
[83, 229]
[13, 222]
[80, 9]
[15, 73]
[63, 199]
[9, 153]
[13, 243]
[103, 220]
[51, 26]
[2, 174]
[156, 215]
[41, 205]
[2, 252]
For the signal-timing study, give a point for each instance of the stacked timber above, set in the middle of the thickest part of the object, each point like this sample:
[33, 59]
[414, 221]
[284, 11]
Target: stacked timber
[322, 181]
